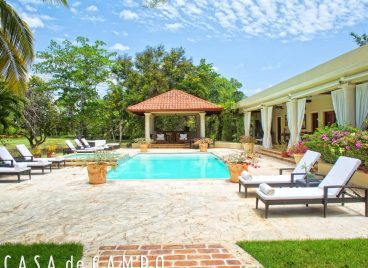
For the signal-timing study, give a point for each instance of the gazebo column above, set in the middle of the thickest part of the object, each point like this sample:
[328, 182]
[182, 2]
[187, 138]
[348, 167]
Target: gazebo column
[147, 125]
[202, 119]
[152, 124]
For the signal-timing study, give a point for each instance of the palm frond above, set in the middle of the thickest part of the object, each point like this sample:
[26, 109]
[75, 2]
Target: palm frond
[63, 2]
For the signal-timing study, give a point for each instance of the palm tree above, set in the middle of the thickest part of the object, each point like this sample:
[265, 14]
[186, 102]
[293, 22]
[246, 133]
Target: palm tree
[16, 46]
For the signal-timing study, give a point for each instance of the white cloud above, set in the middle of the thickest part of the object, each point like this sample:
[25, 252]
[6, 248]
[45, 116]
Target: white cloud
[120, 47]
[278, 19]
[92, 8]
[93, 18]
[270, 67]
[174, 26]
[33, 21]
[128, 15]
[30, 8]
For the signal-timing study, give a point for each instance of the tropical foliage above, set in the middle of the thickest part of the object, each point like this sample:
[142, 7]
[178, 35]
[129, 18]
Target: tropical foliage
[16, 46]
[361, 40]
[334, 141]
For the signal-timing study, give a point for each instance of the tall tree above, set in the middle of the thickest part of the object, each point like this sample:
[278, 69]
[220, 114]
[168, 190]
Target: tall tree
[39, 114]
[9, 108]
[77, 71]
[361, 40]
[16, 46]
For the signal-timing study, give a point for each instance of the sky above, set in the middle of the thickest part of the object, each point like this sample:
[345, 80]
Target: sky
[258, 42]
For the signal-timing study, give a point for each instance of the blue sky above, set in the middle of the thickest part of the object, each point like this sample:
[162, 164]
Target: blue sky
[258, 42]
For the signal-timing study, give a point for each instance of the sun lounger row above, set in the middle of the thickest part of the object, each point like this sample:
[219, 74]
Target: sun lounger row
[11, 166]
[333, 188]
[84, 147]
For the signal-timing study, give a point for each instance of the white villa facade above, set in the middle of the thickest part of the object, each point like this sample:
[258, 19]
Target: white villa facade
[335, 91]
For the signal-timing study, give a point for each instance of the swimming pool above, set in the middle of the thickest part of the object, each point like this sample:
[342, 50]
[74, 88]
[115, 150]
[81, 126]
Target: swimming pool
[170, 166]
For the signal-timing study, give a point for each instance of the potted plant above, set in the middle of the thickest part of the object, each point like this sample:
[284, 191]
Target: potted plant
[97, 168]
[36, 152]
[248, 143]
[298, 150]
[203, 144]
[143, 144]
[51, 151]
[239, 162]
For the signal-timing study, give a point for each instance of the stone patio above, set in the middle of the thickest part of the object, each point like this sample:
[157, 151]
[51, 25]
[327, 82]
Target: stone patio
[62, 206]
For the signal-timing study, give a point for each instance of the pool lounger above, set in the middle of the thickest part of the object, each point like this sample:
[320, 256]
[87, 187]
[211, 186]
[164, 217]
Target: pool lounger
[15, 171]
[8, 160]
[28, 157]
[297, 174]
[75, 150]
[332, 189]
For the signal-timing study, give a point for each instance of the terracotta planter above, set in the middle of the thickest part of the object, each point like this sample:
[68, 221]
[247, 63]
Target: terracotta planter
[143, 148]
[203, 147]
[298, 157]
[248, 147]
[50, 154]
[97, 173]
[235, 171]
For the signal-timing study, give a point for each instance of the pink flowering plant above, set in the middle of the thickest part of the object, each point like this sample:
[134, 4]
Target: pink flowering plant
[248, 159]
[334, 141]
[298, 148]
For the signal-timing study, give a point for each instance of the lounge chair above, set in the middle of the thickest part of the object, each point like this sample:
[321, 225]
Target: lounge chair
[332, 189]
[298, 174]
[15, 171]
[9, 161]
[75, 150]
[28, 157]
[85, 144]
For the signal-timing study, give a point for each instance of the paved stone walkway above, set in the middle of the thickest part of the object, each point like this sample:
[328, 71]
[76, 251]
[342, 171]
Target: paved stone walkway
[62, 206]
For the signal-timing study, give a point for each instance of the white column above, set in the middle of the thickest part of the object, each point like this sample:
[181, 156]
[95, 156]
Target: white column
[202, 118]
[147, 124]
[247, 116]
[291, 110]
[152, 124]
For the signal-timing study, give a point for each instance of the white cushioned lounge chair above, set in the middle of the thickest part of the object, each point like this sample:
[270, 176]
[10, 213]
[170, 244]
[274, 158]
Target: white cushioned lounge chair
[282, 180]
[75, 150]
[86, 145]
[332, 189]
[28, 157]
[9, 160]
[19, 170]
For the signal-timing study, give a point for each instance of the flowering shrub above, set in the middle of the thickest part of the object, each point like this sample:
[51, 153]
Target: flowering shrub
[334, 141]
[298, 148]
[248, 159]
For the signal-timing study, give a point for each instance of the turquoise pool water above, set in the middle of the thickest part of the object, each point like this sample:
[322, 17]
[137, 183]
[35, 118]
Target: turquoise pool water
[170, 166]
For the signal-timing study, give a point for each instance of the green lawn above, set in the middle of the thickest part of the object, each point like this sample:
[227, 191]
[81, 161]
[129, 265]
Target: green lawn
[60, 253]
[58, 141]
[309, 253]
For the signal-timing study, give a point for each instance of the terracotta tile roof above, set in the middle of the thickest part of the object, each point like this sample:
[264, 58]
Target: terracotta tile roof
[174, 100]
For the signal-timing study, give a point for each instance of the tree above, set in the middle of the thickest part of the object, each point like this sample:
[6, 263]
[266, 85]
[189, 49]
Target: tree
[361, 40]
[39, 114]
[9, 107]
[16, 46]
[76, 73]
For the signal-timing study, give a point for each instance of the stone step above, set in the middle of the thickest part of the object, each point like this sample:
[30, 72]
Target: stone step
[167, 145]
[275, 154]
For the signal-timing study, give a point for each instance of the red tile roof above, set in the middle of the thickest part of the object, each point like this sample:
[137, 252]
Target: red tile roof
[174, 100]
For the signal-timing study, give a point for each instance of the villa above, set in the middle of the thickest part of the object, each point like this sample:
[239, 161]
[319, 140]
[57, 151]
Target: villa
[333, 92]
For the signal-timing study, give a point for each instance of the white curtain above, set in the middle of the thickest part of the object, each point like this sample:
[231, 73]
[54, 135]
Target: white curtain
[247, 116]
[361, 104]
[290, 113]
[338, 101]
[266, 118]
[300, 116]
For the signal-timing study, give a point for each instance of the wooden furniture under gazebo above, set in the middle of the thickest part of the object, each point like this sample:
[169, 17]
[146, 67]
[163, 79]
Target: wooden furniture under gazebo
[173, 103]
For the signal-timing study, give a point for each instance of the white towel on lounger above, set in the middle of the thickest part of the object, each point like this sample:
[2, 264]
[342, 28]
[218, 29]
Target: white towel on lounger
[246, 176]
[266, 189]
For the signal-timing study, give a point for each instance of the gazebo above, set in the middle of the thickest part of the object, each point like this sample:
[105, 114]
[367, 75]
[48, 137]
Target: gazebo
[174, 102]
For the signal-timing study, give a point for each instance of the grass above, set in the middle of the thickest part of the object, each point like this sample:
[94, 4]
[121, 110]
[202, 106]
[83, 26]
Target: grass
[60, 253]
[57, 141]
[309, 253]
